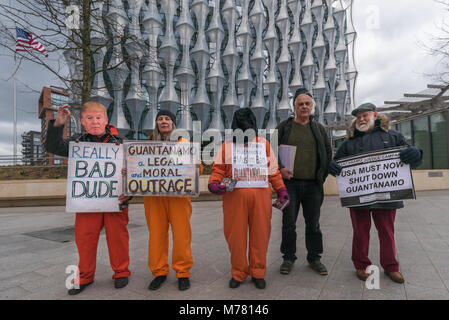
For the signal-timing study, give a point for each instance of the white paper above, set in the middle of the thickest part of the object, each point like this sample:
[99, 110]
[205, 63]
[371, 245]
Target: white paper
[94, 178]
[287, 156]
[249, 165]
[375, 177]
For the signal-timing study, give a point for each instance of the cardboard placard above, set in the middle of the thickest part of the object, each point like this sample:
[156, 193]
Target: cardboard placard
[94, 179]
[159, 168]
[374, 177]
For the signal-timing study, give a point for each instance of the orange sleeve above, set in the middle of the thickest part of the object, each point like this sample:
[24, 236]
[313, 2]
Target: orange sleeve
[219, 167]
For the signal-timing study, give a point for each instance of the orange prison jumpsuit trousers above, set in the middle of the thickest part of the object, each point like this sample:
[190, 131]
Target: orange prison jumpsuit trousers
[247, 209]
[161, 212]
[243, 210]
[88, 226]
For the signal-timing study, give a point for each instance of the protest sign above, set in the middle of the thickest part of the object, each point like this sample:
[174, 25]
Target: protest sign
[158, 168]
[94, 179]
[249, 165]
[374, 177]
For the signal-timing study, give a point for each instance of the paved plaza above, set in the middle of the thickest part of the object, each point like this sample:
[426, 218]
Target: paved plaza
[34, 257]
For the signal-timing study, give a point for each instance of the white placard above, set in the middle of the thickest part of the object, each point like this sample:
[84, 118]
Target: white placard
[249, 165]
[94, 179]
[374, 177]
[157, 168]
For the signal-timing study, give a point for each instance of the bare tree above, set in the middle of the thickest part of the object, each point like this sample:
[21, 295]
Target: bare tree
[440, 50]
[48, 20]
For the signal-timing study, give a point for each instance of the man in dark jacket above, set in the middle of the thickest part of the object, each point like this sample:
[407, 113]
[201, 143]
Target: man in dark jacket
[370, 131]
[89, 224]
[305, 183]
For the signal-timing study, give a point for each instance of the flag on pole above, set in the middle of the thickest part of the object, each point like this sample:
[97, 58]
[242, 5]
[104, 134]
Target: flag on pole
[26, 41]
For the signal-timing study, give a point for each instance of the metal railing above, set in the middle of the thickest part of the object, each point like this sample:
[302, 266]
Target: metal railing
[20, 161]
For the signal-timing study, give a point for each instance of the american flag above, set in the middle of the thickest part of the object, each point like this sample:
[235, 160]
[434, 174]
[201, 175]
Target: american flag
[26, 41]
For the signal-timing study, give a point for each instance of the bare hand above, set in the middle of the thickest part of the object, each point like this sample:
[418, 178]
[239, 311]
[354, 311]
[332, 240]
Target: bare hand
[123, 198]
[286, 174]
[62, 116]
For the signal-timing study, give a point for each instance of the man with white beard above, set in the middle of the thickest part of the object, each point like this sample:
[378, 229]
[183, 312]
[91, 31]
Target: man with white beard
[370, 131]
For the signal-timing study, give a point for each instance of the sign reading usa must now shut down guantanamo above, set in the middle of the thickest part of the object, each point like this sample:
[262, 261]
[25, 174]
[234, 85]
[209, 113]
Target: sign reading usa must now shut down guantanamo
[374, 177]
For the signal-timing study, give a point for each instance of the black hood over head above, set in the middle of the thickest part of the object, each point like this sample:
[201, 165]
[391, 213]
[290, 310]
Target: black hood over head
[244, 119]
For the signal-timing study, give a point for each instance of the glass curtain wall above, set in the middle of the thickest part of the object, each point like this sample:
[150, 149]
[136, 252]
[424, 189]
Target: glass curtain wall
[438, 127]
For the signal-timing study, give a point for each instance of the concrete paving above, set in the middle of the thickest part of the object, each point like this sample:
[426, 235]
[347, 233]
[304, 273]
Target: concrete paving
[34, 268]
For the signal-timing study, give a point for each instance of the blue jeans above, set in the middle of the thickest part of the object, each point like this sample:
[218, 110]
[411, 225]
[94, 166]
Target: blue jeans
[309, 194]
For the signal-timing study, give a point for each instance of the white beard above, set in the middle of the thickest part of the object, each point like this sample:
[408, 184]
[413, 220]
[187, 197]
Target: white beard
[365, 127]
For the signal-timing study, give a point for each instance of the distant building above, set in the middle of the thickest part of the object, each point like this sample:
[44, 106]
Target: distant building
[32, 149]
[423, 119]
[49, 101]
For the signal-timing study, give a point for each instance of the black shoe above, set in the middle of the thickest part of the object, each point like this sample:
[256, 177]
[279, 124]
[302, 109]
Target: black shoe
[183, 284]
[286, 266]
[156, 283]
[120, 282]
[318, 267]
[75, 291]
[260, 283]
[234, 283]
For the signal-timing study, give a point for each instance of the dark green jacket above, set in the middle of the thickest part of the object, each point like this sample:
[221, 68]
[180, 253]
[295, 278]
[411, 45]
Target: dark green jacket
[322, 144]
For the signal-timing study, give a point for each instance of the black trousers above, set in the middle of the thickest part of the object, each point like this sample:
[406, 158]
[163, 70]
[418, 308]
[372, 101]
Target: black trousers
[309, 194]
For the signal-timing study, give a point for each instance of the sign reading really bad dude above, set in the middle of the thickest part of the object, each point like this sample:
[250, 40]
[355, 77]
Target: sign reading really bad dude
[374, 177]
[162, 168]
[94, 177]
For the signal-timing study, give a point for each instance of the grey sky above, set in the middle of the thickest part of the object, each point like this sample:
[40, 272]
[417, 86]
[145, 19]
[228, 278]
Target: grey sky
[388, 56]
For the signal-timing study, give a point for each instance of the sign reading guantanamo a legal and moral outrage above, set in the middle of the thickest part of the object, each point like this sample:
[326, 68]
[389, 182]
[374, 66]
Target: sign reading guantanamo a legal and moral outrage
[162, 168]
[94, 179]
[374, 177]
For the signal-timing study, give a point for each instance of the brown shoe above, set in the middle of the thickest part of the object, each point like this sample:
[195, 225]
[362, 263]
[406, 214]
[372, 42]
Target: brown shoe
[396, 276]
[362, 274]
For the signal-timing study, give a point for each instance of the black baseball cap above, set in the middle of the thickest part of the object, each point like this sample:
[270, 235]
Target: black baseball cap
[364, 107]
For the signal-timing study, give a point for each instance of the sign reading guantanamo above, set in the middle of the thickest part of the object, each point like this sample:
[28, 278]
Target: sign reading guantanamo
[161, 168]
[374, 177]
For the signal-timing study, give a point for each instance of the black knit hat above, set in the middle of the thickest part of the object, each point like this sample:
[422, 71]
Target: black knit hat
[167, 113]
[301, 91]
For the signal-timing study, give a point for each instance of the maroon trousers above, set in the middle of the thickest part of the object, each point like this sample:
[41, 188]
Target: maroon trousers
[384, 222]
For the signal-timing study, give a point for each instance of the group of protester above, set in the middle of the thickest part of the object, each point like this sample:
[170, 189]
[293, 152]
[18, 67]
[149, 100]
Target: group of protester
[245, 210]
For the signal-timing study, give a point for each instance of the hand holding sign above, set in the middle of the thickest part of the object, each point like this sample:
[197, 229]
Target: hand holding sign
[334, 168]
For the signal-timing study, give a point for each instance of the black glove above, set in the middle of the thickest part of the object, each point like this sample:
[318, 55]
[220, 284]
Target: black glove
[334, 168]
[410, 155]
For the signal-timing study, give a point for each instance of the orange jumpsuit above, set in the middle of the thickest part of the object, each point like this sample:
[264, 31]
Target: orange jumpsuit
[246, 208]
[88, 226]
[160, 211]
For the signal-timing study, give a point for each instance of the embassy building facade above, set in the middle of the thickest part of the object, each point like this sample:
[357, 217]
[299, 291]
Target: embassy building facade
[204, 59]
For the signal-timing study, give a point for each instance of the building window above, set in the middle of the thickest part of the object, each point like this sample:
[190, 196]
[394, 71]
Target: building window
[406, 129]
[421, 139]
[58, 100]
[438, 125]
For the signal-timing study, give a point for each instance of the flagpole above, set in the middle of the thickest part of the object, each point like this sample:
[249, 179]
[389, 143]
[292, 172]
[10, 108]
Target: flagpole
[15, 113]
